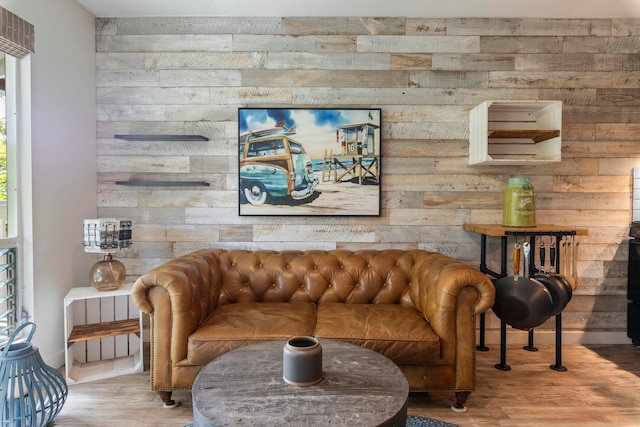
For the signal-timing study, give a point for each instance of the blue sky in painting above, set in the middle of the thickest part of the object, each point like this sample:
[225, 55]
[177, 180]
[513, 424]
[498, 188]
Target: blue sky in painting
[315, 128]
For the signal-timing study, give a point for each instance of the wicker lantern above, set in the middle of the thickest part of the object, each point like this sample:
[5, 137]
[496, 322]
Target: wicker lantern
[32, 393]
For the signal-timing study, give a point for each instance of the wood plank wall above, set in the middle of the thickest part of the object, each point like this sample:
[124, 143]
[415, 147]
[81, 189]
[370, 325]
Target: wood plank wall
[189, 75]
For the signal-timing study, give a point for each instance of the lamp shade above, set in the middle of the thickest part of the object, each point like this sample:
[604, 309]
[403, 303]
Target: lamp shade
[107, 235]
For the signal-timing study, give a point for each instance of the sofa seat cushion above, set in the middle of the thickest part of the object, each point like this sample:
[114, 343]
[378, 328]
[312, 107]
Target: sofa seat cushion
[235, 325]
[396, 331]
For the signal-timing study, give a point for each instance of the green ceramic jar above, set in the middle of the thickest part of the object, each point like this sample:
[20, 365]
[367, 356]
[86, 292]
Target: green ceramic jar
[519, 203]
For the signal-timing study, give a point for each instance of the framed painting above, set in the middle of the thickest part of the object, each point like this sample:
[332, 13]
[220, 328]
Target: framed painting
[309, 161]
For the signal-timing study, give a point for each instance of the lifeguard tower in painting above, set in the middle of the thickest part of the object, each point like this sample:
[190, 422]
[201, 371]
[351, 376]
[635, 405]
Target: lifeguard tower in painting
[357, 158]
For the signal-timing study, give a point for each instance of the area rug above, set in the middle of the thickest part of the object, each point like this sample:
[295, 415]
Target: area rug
[413, 421]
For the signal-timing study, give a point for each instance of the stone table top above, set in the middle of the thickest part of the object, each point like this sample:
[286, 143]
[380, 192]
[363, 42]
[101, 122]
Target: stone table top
[245, 387]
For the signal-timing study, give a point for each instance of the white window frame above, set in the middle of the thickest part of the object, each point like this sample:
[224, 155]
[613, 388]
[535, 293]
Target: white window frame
[18, 118]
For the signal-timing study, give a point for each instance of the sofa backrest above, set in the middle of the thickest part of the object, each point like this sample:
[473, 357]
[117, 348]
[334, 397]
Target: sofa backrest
[360, 277]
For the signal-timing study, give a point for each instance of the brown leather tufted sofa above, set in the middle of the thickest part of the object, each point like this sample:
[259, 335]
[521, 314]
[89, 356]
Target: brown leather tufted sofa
[418, 308]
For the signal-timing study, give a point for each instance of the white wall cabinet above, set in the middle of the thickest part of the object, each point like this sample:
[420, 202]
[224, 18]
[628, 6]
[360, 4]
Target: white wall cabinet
[102, 333]
[515, 132]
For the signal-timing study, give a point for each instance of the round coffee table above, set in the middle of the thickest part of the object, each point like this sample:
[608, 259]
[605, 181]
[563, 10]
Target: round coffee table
[245, 387]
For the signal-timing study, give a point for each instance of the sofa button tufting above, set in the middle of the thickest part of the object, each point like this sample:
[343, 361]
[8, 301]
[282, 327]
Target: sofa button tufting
[315, 285]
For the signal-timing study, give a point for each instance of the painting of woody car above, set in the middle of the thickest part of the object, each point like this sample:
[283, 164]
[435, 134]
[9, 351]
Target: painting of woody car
[309, 161]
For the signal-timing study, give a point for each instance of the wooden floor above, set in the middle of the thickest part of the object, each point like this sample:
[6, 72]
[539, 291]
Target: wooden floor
[600, 388]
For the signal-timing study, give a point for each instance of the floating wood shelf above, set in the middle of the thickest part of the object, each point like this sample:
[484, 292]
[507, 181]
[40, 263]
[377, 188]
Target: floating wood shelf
[535, 135]
[145, 137]
[135, 183]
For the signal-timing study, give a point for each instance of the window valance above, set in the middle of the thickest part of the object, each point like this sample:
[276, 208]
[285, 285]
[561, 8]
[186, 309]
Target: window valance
[16, 35]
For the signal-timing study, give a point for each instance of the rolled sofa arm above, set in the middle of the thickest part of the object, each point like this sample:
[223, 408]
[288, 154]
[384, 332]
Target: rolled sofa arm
[450, 294]
[179, 295]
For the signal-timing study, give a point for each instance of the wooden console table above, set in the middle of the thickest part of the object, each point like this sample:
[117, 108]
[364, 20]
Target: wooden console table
[496, 230]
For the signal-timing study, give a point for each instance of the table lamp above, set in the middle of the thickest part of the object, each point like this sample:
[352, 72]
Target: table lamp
[107, 236]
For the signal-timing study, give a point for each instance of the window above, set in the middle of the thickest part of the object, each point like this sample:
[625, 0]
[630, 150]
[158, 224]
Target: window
[3, 149]
[16, 42]
[9, 289]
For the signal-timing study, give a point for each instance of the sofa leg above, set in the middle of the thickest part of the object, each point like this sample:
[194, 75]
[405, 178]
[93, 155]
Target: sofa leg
[167, 402]
[461, 399]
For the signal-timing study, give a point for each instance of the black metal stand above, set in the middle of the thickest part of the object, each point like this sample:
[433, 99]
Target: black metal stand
[487, 270]
[503, 349]
[558, 365]
[503, 272]
[481, 346]
[530, 346]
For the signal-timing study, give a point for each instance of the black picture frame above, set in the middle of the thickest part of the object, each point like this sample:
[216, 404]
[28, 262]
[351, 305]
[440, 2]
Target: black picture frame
[309, 161]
